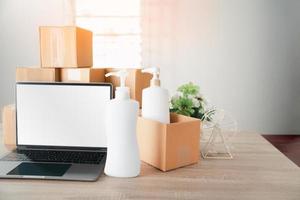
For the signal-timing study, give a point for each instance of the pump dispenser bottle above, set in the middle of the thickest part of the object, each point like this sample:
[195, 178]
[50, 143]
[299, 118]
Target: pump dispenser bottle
[155, 100]
[121, 118]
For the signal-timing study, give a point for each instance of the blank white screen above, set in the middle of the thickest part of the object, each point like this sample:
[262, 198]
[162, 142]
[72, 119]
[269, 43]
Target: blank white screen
[61, 115]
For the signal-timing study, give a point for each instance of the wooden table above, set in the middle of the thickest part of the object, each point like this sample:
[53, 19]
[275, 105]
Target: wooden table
[258, 171]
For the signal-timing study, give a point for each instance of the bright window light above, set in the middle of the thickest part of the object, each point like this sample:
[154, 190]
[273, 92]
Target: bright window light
[116, 28]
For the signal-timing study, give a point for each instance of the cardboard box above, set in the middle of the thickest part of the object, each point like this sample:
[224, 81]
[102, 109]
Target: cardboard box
[169, 146]
[9, 126]
[66, 46]
[136, 81]
[85, 75]
[24, 74]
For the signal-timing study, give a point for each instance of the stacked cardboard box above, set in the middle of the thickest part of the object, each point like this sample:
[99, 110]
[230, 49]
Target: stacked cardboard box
[60, 48]
[66, 47]
[37, 74]
[67, 56]
[9, 126]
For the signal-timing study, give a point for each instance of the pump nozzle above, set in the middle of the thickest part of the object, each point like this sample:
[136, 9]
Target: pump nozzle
[122, 91]
[155, 72]
[122, 74]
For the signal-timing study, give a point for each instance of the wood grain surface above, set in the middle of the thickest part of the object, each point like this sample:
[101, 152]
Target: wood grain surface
[258, 171]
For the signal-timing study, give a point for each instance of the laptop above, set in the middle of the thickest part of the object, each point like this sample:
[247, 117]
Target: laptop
[60, 131]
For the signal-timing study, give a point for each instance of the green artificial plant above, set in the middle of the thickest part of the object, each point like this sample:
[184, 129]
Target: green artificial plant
[188, 101]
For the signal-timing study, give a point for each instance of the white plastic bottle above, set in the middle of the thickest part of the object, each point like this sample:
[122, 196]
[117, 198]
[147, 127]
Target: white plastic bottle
[121, 118]
[155, 100]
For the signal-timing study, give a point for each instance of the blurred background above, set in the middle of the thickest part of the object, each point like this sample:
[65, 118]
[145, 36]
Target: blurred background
[244, 54]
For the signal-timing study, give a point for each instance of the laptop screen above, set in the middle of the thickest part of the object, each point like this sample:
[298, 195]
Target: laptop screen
[65, 115]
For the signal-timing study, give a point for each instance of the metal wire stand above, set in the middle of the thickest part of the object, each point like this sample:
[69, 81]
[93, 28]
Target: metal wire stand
[209, 152]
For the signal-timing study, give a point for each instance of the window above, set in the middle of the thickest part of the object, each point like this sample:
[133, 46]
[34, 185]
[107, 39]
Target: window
[116, 28]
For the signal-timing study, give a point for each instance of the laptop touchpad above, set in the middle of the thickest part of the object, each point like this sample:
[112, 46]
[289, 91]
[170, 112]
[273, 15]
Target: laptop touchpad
[40, 169]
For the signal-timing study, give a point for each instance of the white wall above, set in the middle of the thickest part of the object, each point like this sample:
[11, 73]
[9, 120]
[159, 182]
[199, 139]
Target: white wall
[19, 40]
[244, 54]
[295, 14]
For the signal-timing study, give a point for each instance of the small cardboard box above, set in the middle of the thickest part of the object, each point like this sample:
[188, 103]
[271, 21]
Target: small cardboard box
[84, 75]
[169, 146]
[66, 46]
[136, 81]
[24, 74]
[9, 126]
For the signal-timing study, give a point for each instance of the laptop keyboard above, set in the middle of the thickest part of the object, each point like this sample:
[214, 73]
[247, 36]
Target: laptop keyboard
[55, 156]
